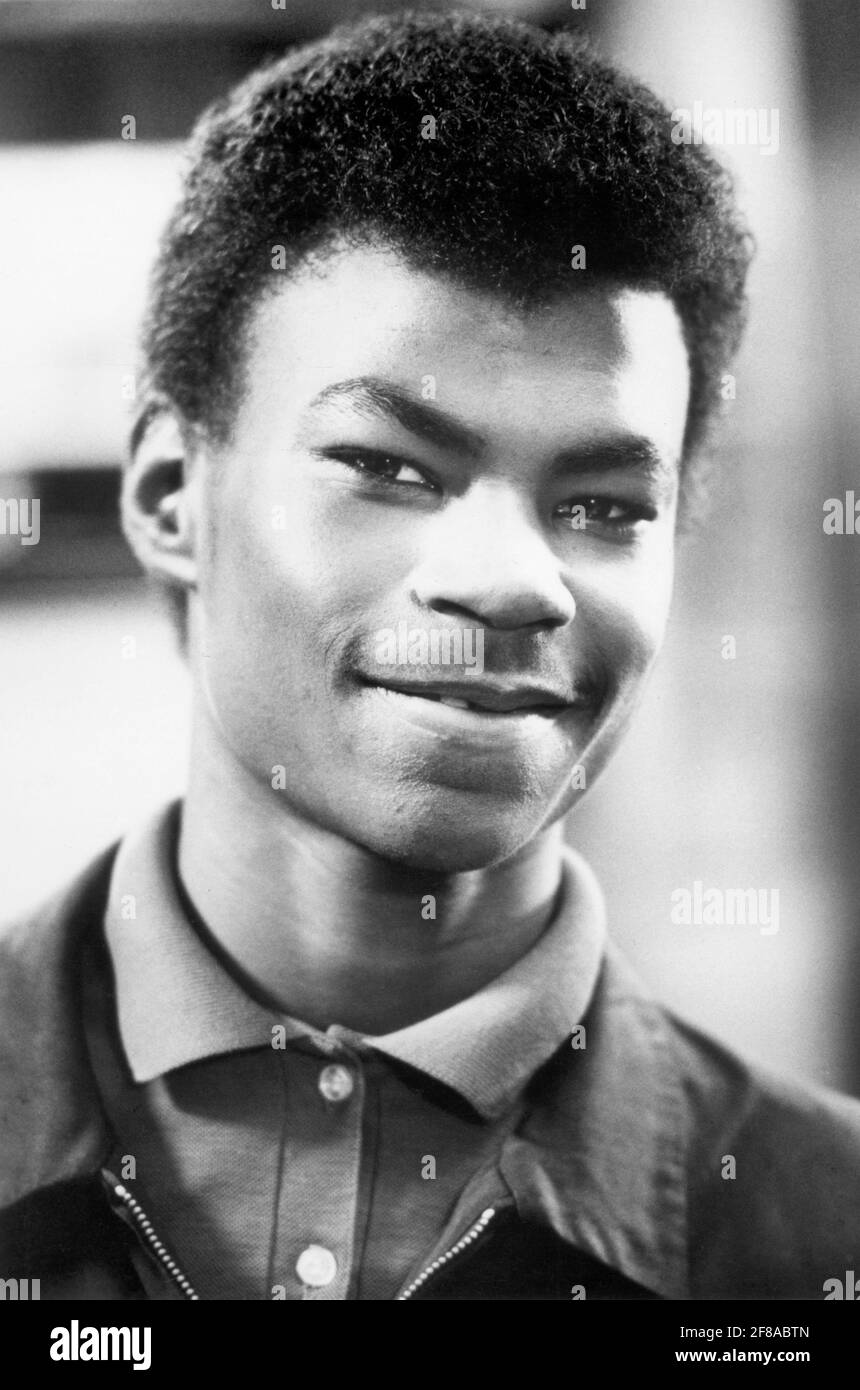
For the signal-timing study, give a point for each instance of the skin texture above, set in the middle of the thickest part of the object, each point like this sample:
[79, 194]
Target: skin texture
[297, 553]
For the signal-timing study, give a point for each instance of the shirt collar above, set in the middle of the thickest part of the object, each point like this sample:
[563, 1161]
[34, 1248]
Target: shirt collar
[489, 1046]
[177, 1004]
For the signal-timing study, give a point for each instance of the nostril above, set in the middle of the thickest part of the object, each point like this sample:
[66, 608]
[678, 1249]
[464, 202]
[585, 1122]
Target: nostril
[458, 610]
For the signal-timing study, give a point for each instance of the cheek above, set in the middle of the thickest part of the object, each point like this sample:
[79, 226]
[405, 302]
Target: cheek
[289, 581]
[625, 612]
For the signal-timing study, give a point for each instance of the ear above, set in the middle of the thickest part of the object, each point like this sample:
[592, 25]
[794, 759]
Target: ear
[157, 502]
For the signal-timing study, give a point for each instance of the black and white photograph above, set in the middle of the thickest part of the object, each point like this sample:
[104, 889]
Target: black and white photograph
[429, 593]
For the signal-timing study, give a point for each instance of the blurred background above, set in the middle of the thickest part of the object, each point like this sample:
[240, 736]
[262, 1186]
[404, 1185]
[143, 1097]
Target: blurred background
[741, 772]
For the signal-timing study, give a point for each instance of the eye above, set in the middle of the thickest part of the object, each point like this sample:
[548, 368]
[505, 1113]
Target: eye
[381, 466]
[607, 513]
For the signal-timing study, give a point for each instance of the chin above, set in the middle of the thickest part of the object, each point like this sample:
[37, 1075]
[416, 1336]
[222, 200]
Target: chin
[448, 844]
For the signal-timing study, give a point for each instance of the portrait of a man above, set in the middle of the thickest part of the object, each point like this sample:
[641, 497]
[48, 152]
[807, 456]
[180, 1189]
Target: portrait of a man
[436, 339]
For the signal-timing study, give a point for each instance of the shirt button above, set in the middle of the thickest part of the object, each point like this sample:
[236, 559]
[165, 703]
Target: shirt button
[316, 1266]
[335, 1083]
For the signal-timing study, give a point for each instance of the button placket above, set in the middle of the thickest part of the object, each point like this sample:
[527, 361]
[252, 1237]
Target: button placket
[319, 1188]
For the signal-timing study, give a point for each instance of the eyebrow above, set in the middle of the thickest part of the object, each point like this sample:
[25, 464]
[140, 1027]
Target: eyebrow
[378, 397]
[617, 452]
[375, 396]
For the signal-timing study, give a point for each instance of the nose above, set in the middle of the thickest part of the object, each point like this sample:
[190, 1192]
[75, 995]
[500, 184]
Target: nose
[487, 560]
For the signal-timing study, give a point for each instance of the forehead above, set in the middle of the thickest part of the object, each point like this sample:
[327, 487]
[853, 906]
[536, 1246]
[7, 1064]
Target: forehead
[600, 355]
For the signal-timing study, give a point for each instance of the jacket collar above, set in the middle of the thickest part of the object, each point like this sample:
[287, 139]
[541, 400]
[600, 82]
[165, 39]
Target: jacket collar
[601, 1157]
[53, 1128]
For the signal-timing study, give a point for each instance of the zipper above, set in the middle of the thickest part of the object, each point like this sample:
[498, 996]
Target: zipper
[178, 1279]
[146, 1229]
[475, 1230]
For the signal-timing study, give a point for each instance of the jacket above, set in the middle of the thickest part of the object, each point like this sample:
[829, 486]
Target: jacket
[651, 1163]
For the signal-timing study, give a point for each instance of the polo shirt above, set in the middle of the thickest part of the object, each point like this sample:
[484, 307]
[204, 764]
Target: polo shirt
[278, 1160]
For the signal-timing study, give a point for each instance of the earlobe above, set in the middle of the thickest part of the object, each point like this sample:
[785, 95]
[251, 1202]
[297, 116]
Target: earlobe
[157, 507]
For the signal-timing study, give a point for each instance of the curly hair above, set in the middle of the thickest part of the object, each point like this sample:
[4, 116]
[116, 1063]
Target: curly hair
[539, 145]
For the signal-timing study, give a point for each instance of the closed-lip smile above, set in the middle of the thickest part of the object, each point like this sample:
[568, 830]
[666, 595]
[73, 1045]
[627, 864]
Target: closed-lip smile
[485, 697]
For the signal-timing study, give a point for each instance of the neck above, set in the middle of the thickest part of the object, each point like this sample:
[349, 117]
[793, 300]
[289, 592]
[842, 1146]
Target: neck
[324, 930]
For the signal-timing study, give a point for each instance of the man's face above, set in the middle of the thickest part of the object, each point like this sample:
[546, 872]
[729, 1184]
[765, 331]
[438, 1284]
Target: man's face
[412, 459]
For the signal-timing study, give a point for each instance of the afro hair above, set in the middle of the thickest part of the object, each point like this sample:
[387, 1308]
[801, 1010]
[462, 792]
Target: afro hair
[538, 145]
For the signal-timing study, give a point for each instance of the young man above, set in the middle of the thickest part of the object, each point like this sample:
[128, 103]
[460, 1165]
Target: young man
[433, 340]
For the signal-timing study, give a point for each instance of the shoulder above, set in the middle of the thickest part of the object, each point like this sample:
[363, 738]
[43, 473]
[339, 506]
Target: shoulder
[773, 1175]
[46, 1094]
[36, 945]
[748, 1178]
[725, 1094]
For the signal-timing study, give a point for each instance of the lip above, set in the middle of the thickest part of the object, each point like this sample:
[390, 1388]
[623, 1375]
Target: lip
[485, 697]
[494, 731]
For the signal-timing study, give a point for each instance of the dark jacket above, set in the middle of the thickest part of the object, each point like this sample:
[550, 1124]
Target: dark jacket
[618, 1184]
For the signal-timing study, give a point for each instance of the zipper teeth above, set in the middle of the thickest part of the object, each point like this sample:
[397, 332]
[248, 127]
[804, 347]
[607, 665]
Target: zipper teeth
[160, 1250]
[166, 1260]
[471, 1235]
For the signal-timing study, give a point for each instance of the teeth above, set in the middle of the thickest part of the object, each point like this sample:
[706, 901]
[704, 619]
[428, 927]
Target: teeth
[457, 704]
